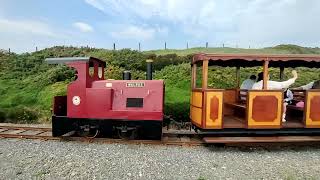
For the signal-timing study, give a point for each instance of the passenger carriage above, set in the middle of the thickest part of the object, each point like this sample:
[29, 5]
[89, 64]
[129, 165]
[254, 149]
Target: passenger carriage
[257, 112]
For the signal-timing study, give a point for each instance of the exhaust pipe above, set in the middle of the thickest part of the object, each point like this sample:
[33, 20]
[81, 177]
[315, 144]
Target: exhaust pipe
[126, 75]
[149, 69]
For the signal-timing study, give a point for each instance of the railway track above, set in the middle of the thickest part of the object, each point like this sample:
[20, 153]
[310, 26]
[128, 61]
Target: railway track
[185, 138]
[170, 137]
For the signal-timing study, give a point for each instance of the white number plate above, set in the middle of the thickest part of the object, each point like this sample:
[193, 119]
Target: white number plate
[135, 84]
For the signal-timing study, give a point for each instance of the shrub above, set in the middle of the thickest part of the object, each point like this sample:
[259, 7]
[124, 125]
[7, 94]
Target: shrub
[22, 115]
[177, 86]
[3, 116]
[59, 73]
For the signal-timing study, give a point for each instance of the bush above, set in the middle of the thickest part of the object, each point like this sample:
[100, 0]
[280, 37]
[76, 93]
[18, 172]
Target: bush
[22, 115]
[59, 73]
[179, 111]
[3, 116]
[177, 87]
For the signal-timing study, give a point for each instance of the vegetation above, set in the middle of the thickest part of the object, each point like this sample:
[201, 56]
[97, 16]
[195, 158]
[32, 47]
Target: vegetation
[280, 49]
[27, 84]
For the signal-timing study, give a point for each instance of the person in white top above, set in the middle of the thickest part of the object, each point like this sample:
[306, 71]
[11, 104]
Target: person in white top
[308, 86]
[276, 85]
[247, 85]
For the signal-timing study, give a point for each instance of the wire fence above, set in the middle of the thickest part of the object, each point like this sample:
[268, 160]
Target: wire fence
[165, 46]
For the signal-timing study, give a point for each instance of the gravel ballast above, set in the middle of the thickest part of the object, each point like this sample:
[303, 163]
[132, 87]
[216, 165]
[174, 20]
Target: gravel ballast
[34, 159]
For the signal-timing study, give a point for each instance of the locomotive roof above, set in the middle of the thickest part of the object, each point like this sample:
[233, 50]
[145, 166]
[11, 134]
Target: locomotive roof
[62, 60]
[249, 60]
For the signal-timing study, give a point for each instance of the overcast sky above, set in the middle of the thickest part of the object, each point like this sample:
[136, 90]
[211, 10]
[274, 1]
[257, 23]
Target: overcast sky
[25, 24]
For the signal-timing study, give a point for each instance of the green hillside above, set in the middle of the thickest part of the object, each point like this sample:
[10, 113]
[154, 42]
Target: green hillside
[281, 49]
[27, 84]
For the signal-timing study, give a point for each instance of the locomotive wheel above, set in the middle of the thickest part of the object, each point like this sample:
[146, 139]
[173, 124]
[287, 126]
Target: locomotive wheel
[88, 131]
[128, 134]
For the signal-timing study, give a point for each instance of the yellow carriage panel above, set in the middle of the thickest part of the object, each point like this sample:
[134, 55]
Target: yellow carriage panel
[196, 108]
[196, 99]
[264, 109]
[196, 115]
[214, 105]
[312, 115]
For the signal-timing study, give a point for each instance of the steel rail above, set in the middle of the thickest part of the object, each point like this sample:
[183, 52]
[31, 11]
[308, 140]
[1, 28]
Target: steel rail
[169, 138]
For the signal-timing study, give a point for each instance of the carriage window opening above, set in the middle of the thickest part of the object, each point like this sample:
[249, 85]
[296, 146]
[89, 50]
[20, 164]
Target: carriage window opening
[221, 77]
[75, 75]
[100, 69]
[199, 72]
[91, 69]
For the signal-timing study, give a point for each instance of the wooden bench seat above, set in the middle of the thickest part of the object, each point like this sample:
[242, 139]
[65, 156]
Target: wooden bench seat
[236, 104]
[295, 107]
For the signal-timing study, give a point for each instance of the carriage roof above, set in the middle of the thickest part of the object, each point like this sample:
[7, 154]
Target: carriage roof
[249, 60]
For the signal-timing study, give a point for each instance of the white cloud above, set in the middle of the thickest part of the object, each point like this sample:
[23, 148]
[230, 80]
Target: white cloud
[95, 4]
[21, 35]
[26, 27]
[134, 32]
[285, 21]
[83, 27]
[261, 22]
[184, 13]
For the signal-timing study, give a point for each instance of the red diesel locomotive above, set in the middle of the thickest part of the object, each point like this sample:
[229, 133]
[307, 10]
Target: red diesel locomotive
[93, 105]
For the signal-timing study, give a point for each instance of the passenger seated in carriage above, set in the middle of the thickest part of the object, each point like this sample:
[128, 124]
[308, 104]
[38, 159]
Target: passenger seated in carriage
[311, 85]
[247, 85]
[276, 85]
[315, 85]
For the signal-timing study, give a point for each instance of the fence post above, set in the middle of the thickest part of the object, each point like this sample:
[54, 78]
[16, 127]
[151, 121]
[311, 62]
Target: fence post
[206, 44]
[114, 46]
[223, 45]
[9, 51]
[187, 45]
[36, 49]
[139, 46]
[165, 45]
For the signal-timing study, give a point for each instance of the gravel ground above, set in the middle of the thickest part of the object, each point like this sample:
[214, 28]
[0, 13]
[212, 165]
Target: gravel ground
[34, 159]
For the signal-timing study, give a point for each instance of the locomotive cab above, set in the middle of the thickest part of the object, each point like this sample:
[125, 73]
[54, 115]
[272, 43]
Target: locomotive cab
[93, 105]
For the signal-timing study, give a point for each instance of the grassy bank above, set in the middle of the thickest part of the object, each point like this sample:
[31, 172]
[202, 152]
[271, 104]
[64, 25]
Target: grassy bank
[281, 49]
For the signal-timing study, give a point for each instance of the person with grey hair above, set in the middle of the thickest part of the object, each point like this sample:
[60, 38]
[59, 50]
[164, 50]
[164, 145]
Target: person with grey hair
[247, 85]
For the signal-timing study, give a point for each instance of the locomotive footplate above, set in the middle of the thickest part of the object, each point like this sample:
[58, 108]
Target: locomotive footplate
[143, 129]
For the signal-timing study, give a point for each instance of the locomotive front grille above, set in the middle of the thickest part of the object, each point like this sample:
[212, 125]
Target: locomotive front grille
[135, 102]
